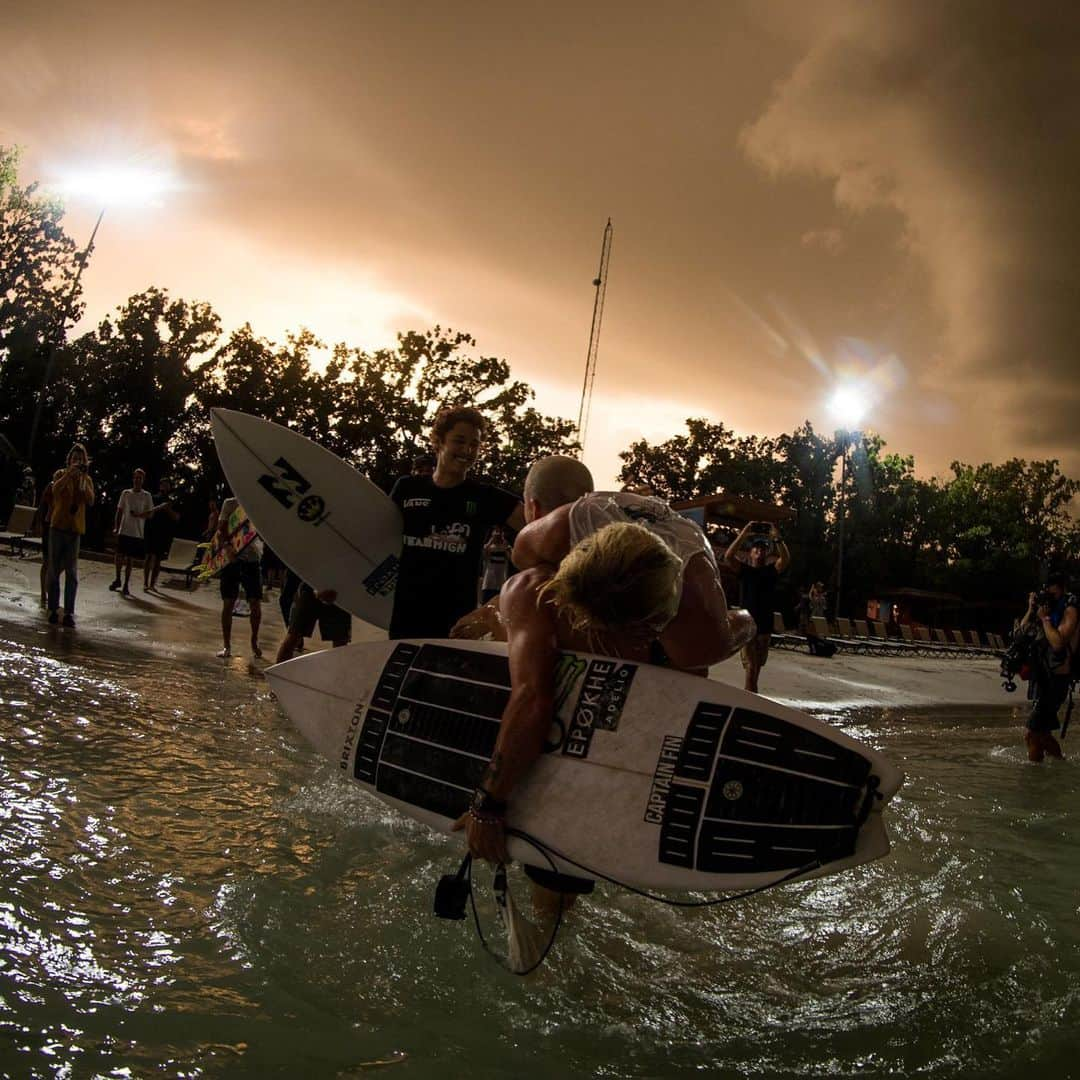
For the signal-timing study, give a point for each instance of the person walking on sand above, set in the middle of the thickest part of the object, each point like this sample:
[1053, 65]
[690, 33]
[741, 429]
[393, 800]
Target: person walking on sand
[73, 492]
[242, 569]
[133, 507]
[160, 528]
[41, 527]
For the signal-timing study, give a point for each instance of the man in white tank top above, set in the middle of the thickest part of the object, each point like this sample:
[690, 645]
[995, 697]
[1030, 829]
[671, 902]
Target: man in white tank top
[612, 573]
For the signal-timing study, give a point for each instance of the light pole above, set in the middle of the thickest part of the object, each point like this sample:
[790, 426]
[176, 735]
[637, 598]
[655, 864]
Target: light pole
[50, 360]
[102, 186]
[848, 404]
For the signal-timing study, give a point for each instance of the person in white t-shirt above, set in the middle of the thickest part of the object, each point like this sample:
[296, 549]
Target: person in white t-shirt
[133, 507]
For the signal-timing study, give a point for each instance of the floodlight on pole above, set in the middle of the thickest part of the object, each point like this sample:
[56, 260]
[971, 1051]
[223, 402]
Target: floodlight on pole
[103, 185]
[849, 404]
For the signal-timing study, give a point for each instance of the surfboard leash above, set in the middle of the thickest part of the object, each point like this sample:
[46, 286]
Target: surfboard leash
[455, 890]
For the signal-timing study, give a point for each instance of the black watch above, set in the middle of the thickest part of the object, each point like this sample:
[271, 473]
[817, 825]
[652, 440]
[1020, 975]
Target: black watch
[483, 802]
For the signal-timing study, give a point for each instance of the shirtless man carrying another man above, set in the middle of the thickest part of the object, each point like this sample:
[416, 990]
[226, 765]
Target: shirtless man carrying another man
[612, 573]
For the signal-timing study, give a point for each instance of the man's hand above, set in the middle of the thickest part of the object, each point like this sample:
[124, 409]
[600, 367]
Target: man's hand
[1033, 601]
[486, 838]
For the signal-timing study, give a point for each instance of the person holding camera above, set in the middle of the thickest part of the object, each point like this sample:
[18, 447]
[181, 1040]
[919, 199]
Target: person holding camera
[72, 493]
[759, 556]
[1056, 613]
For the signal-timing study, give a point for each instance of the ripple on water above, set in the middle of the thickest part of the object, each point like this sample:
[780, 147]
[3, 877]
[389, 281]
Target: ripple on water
[187, 891]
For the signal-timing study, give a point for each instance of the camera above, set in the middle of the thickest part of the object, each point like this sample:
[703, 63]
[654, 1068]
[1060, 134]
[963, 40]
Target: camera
[1020, 657]
[1043, 598]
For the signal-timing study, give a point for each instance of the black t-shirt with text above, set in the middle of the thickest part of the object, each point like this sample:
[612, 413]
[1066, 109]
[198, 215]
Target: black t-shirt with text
[757, 588]
[442, 548]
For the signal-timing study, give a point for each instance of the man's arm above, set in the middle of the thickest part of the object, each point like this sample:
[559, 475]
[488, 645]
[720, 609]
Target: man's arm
[528, 714]
[544, 542]
[119, 512]
[1029, 615]
[731, 556]
[1059, 636]
[703, 631]
[783, 556]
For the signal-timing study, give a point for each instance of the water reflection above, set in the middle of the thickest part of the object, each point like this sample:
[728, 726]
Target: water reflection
[187, 891]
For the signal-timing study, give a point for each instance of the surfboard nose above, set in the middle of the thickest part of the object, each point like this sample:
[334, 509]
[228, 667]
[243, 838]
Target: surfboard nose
[325, 719]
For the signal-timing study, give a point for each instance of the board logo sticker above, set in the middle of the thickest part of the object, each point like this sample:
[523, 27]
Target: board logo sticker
[285, 483]
[312, 508]
[383, 579]
[288, 486]
[732, 790]
[661, 781]
[599, 705]
[350, 735]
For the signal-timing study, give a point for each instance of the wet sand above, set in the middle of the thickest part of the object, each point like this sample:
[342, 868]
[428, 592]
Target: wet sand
[181, 621]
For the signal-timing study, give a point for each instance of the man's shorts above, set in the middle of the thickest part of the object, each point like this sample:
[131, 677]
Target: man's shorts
[1050, 696]
[757, 648]
[132, 546]
[556, 882]
[158, 545]
[308, 609]
[241, 572]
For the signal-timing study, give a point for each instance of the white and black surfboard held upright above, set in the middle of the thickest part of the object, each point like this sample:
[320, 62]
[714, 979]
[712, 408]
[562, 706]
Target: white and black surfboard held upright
[650, 777]
[327, 522]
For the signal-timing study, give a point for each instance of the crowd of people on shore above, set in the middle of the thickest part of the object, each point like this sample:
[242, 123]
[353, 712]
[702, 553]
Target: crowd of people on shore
[471, 550]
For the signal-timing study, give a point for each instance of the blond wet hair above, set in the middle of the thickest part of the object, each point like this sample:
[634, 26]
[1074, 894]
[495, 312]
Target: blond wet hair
[621, 578]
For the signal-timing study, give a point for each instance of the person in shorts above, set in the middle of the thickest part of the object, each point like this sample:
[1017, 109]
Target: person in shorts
[133, 507]
[311, 609]
[242, 571]
[752, 557]
[160, 530]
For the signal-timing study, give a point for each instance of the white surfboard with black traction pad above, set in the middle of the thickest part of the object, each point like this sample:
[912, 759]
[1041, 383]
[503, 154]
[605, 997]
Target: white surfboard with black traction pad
[327, 522]
[650, 776]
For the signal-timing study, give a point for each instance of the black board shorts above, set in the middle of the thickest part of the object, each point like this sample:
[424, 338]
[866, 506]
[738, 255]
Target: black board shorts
[561, 883]
[241, 572]
[308, 609]
[132, 546]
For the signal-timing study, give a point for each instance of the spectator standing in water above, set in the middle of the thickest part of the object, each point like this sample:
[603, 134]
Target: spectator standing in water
[133, 507]
[160, 530]
[751, 557]
[73, 492]
[446, 517]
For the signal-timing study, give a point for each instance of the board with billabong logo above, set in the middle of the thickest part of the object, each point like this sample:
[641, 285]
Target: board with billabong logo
[651, 777]
[219, 551]
[327, 522]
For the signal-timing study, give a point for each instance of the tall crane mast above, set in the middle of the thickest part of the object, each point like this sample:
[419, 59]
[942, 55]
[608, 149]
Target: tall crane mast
[600, 283]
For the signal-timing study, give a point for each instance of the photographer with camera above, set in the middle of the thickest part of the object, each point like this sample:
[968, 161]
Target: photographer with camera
[759, 556]
[72, 493]
[1054, 614]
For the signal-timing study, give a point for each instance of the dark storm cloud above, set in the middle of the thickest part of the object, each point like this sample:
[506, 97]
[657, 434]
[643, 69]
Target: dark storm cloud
[963, 118]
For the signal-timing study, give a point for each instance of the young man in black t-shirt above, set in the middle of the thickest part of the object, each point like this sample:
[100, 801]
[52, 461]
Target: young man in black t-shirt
[758, 571]
[446, 518]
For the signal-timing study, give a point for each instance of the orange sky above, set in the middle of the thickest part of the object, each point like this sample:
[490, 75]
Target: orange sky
[880, 188]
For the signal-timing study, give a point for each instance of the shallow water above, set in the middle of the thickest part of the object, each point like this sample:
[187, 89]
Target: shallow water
[187, 891]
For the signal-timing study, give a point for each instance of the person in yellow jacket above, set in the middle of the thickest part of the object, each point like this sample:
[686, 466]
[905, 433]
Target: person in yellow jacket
[72, 493]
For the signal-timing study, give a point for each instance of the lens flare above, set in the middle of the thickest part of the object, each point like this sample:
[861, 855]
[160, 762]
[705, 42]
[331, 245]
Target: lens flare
[117, 185]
